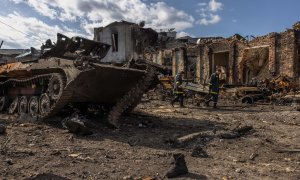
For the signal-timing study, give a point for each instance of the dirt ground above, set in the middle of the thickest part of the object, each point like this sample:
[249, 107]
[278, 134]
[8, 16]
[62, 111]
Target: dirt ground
[142, 147]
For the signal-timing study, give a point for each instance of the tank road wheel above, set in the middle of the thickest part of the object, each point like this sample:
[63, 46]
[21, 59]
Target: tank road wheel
[44, 104]
[33, 106]
[3, 103]
[55, 87]
[247, 100]
[22, 106]
[13, 106]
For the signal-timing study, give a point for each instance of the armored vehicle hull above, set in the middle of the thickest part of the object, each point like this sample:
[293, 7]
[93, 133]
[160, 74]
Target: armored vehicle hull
[44, 86]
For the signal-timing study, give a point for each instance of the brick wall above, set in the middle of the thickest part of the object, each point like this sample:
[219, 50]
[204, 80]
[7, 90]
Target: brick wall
[286, 48]
[282, 55]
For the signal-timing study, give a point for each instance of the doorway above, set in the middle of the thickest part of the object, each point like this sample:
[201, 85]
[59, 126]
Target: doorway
[220, 60]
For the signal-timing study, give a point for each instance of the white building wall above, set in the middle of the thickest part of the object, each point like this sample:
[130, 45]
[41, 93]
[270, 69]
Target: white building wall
[126, 44]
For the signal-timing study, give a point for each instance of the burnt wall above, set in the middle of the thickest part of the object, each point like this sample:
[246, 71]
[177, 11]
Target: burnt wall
[280, 56]
[286, 52]
[206, 64]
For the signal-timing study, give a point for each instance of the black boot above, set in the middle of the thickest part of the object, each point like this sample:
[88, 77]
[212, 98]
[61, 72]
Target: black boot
[215, 105]
[179, 167]
[172, 103]
[207, 103]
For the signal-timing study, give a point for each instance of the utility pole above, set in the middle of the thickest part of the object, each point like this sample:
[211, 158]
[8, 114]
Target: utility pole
[1, 44]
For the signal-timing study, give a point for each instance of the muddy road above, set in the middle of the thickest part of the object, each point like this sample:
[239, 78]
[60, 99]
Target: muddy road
[143, 146]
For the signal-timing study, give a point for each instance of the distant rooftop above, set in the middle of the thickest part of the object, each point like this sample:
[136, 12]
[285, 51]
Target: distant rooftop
[13, 51]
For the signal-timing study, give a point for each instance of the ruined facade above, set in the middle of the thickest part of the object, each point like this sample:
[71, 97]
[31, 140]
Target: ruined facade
[127, 40]
[240, 60]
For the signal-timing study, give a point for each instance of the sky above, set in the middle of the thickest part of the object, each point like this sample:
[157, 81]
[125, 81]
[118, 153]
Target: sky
[29, 23]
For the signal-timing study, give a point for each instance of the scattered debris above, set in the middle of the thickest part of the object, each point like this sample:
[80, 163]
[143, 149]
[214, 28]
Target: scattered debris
[129, 177]
[46, 176]
[253, 156]
[295, 150]
[235, 133]
[239, 170]
[228, 135]
[149, 178]
[199, 152]
[184, 140]
[141, 125]
[9, 161]
[242, 130]
[76, 125]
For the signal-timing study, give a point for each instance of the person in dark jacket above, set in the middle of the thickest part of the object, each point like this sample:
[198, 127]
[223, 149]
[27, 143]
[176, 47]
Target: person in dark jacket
[178, 91]
[214, 89]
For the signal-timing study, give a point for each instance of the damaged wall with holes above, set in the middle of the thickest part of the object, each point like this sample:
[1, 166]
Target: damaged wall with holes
[272, 55]
[199, 60]
[241, 61]
[128, 40]
[224, 54]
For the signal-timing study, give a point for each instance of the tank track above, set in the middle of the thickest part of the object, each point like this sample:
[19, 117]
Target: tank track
[55, 106]
[132, 98]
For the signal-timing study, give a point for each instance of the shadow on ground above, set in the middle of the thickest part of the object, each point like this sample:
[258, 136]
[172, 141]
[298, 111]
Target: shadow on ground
[150, 131]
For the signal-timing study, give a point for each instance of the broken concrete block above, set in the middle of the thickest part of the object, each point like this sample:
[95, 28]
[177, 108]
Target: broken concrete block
[77, 126]
[199, 152]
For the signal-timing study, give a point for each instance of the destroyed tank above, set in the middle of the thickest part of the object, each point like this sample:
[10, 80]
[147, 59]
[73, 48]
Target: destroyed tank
[71, 72]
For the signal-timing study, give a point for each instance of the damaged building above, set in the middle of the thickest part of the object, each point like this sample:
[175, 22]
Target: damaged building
[240, 60]
[272, 55]
[128, 40]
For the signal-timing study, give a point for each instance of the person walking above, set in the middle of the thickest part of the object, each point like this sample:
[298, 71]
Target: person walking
[178, 91]
[214, 88]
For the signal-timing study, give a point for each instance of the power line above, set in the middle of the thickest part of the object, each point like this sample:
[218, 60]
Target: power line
[39, 39]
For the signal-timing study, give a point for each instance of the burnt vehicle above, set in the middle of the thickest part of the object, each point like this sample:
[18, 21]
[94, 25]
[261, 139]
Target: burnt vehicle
[71, 72]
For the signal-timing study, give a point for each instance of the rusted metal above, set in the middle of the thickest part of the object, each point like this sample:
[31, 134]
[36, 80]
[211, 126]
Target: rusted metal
[71, 72]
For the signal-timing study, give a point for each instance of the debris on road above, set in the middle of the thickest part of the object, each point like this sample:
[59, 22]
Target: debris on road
[9, 161]
[76, 125]
[253, 156]
[184, 140]
[198, 151]
[46, 176]
[235, 133]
